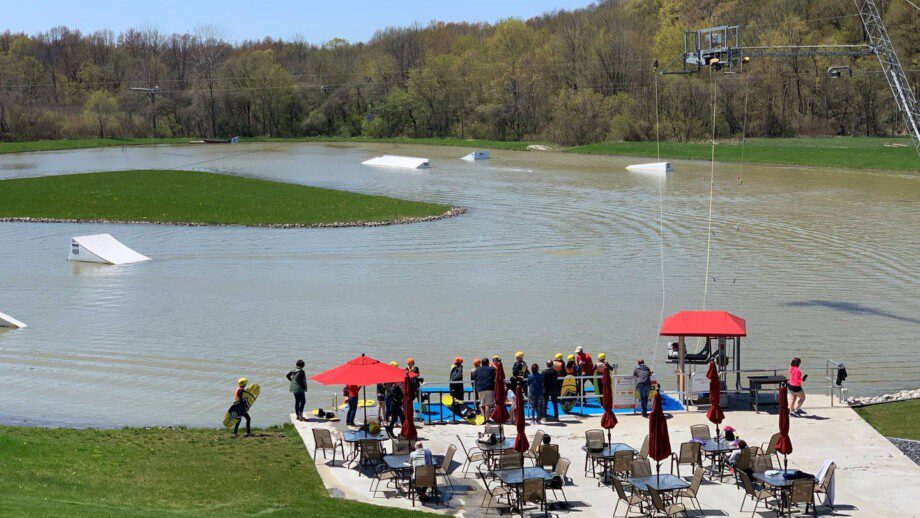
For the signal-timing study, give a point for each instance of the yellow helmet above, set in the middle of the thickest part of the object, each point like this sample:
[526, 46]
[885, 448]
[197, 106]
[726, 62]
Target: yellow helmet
[571, 357]
[519, 354]
[242, 382]
[601, 356]
[558, 356]
[394, 364]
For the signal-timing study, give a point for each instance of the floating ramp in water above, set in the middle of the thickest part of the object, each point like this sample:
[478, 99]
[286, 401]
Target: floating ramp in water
[476, 155]
[653, 168]
[401, 162]
[8, 321]
[102, 248]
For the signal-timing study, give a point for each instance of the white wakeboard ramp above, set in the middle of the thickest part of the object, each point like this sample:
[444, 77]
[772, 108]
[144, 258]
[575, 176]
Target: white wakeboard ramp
[8, 321]
[476, 155]
[652, 168]
[401, 162]
[102, 248]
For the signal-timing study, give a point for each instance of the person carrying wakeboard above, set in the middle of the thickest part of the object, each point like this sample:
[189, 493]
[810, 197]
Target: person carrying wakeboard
[240, 406]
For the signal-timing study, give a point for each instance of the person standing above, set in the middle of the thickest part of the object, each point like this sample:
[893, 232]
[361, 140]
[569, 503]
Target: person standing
[416, 382]
[476, 364]
[240, 406]
[395, 408]
[351, 393]
[298, 387]
[456, 378]
[643, 376]
[535, 394]
[519, 372]
[550, 391]
[601, 366]
[485, 384]
[795, 387]
[585, 364]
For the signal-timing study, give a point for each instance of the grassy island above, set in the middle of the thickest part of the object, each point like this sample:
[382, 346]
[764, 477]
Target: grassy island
[164, 471]
[198, 198]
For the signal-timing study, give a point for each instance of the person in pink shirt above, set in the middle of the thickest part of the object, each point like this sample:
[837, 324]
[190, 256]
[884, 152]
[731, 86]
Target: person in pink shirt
[795, 387]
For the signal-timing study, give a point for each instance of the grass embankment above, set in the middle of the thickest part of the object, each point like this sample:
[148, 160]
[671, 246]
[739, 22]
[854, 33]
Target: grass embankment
[157, 471]
[194, 197]
[900, 419]
[844, 152]
[56, 145]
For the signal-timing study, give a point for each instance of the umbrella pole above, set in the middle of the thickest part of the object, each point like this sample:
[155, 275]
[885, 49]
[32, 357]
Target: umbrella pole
[658, 473]
[364, 389]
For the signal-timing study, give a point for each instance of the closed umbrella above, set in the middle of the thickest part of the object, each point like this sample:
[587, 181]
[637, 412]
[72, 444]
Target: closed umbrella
[784, 443]
[715, 413]
[608, 420]
[520, 442]
[361, 371]
[500, 413]
[659, 445]
[408, 425]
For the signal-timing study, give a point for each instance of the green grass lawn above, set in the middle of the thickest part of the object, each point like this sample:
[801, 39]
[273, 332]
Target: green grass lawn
[53, 145]
[900, 419]
[844, 152]
[196, 197]
[157, 471]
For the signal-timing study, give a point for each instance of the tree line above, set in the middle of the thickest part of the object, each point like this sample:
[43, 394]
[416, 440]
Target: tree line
[571, 77]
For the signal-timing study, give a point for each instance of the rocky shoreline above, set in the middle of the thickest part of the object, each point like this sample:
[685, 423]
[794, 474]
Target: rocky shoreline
[454, 211]
[903, 395]
[908, 447]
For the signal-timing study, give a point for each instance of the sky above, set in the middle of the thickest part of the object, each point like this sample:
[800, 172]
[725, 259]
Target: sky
[313, 21]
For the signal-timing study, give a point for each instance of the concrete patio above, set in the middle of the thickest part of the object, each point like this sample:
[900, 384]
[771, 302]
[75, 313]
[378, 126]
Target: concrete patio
[873, 478]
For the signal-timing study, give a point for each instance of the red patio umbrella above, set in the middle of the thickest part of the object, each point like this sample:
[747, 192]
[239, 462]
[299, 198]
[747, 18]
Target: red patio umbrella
[361, 371]
[784, 443]
[608, 420]
[408, 425]
[659, 444]
[520, 442]
[500, 413]
[715, 413]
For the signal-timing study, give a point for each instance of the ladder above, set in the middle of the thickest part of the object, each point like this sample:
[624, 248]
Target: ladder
[880, 43]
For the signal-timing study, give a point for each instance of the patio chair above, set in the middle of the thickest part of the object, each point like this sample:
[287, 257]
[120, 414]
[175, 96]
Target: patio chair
[510, 460]
[641, 468]
[472, 455]
[758, 495]
[444, 469]
[533, 491]
[622, 463]
[769, 448]
[700, 431]
[493, 491]
[385, 475]
[630, 499]
[371, 453]
[560, 475]
[643, 450]
[744, 463]
[402, 446]
[531, 452]
[425, 477]
[676, 509]
[492, 428]
[322, 440]
[803, 492]
[823, 486]
[594, 441]
[689, 454]
[762, 463]
[692, 492]
[548, 455]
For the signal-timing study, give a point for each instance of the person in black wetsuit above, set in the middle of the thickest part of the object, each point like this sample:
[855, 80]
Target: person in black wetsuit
[396, 407]
[550, 391]
[240, 406]
[456, 380]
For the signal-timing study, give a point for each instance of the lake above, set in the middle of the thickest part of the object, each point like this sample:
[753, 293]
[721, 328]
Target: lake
[557, 250]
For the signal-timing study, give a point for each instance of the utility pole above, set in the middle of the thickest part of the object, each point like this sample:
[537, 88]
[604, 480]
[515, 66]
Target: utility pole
[152, 92]
[880, 43]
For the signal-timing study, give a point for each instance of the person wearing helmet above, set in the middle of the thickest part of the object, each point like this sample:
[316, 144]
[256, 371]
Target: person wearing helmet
[519, 373]
[599, 369]
[477, 363]
[298, 387]
[584, 362]
[416, 382]
[396, 413]
[240, 406]
[559, 365]
[456, 379]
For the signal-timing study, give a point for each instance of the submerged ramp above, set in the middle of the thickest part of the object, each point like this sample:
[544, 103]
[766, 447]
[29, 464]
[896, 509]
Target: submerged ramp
[653, 168]
[476, 155]
[8, 321]
[401, 162]
[102, 248]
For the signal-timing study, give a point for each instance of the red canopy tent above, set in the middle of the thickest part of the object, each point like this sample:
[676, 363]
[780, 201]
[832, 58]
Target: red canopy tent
[705, 324]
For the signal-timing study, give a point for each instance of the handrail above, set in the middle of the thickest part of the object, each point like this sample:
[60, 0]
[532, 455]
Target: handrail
[831, 367]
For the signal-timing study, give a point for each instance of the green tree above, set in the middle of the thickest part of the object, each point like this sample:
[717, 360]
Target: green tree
[580, 117]
[101, 107]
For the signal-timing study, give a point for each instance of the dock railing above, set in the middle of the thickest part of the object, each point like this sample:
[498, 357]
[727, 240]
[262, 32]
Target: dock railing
[831, 368]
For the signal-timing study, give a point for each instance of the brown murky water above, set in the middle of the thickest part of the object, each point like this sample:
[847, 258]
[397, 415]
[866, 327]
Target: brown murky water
[557, 251]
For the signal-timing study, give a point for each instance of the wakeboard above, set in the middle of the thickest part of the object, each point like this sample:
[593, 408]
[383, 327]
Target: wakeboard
[568, 393]
[464, 412]
[249, 399]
